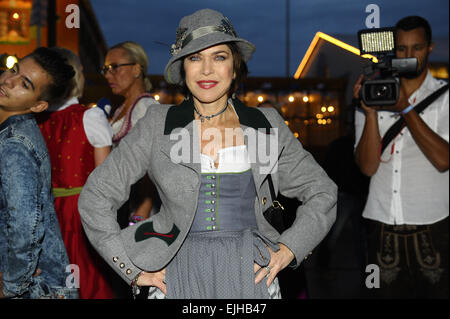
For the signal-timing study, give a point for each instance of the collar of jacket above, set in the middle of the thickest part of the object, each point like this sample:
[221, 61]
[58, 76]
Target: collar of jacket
[15, 119]
[179, 116]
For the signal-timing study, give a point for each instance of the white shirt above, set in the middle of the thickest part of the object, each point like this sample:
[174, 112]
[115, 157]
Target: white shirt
[407, 188]
[96, 126]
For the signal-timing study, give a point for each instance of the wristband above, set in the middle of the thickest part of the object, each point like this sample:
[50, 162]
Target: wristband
[406, 110]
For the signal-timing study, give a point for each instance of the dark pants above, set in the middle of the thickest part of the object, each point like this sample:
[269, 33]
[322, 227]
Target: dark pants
[413, 259]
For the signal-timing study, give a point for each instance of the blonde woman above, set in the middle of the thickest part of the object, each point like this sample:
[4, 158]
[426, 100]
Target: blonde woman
[125, 70]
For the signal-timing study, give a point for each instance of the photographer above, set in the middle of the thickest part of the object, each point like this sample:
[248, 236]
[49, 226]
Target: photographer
[407, 206]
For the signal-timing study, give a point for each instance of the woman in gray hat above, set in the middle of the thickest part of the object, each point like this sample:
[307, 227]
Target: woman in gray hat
[212, 159]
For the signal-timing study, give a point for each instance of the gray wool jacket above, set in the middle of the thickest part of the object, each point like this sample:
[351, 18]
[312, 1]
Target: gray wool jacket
[165, 145]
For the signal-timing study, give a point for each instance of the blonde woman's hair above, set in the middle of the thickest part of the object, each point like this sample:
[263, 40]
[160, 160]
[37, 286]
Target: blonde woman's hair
[137, 54]
[78, 80]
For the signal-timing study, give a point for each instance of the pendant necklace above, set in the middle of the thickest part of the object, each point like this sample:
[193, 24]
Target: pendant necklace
[208, 117]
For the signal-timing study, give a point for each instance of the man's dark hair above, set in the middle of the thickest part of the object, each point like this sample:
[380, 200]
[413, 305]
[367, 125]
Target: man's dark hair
[60, 72]
[414, 22]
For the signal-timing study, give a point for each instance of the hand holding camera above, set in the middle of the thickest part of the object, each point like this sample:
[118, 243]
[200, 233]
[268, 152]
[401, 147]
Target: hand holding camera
[380, 87]
[399, 106]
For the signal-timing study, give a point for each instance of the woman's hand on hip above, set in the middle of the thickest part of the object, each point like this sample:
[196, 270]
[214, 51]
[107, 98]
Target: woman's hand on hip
[155, 279]
[278, 261]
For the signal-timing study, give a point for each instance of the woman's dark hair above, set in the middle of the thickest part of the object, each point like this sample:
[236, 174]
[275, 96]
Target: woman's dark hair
[414, 22]
[60, 71]
[239, 67]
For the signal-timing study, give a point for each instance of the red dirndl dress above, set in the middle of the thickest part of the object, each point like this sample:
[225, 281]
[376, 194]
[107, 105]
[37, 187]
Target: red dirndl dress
[72, 160]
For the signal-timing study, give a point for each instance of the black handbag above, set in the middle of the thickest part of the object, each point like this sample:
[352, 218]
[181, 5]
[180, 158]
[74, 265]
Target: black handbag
[275, 213]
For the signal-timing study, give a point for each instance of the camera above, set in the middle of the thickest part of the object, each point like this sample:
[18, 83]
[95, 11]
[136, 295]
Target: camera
[382, 86]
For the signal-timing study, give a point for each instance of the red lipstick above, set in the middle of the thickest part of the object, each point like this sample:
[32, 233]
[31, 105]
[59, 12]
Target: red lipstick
[207, 84]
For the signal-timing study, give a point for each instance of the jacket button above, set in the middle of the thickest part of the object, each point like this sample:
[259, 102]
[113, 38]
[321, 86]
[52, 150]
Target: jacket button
[115, 259]
[128, 271]
[122, 265]
[264, 200]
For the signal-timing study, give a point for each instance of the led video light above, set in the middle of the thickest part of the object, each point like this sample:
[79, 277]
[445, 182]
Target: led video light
[376, 41]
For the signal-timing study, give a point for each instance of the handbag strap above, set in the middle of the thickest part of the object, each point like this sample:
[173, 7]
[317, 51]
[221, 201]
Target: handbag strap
[275, 202]
[271, 188]
[392, 132]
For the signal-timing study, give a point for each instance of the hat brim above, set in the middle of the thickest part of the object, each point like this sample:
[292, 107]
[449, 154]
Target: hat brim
[172, 72]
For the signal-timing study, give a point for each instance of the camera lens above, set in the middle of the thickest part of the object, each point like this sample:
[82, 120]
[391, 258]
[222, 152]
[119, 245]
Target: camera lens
[381, 91]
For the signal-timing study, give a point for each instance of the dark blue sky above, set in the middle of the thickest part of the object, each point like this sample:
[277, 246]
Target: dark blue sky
[262, 22]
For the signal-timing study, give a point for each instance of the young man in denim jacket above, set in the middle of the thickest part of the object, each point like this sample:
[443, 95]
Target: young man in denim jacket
[33, 259]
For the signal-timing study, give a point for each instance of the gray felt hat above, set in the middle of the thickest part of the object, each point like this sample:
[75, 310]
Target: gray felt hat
[199, 31]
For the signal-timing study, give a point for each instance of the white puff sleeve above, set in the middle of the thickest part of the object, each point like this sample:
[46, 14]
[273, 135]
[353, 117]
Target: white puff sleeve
[97, 128]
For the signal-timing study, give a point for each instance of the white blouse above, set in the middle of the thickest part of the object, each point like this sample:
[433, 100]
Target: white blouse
[233, 159]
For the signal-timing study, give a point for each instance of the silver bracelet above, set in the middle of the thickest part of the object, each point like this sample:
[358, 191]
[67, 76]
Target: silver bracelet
[135, 288]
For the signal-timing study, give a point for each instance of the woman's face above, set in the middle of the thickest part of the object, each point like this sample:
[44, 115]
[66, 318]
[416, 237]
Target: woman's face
[120, 78]
[209, 73]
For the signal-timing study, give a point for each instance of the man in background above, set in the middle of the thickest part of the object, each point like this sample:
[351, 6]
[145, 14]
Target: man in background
[407, 205]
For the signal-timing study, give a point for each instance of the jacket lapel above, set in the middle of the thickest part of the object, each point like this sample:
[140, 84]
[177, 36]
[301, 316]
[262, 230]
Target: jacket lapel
[181, 137]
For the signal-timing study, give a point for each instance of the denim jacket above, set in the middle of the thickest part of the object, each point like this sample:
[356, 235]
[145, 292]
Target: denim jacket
[30, 237]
